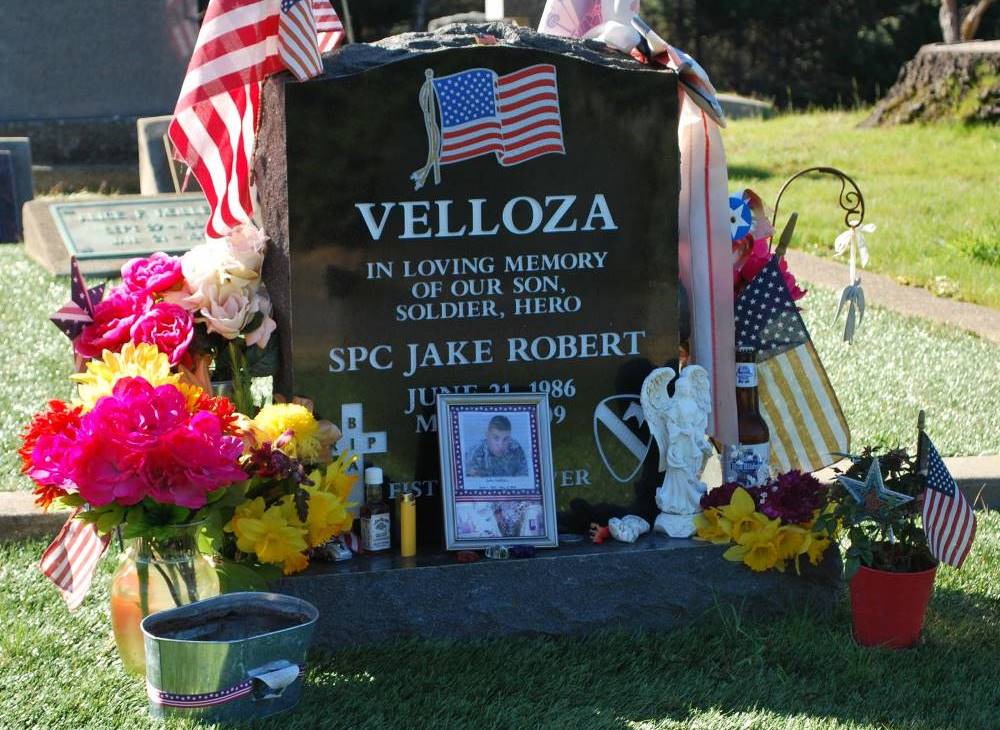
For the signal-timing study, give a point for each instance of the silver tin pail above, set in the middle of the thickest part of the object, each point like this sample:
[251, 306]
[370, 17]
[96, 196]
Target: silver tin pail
[238, 656]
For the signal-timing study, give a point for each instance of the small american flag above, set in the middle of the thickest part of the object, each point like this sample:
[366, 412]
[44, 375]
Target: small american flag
[514, 116]
[949, 521]
[240, 44]
[797, 401]
[72, 558]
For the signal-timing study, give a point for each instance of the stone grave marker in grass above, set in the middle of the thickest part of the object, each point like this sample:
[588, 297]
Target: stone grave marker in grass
[104, 232]
[419, 245]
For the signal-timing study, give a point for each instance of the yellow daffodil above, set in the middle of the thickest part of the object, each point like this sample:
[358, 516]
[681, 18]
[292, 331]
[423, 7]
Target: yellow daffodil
[135, 361]
[738, 515]
[790, 541]
[266, 533]
[290, 428]
[757, 546]
[816, 547]
[335, 479]
[710, 527]
[295, 563]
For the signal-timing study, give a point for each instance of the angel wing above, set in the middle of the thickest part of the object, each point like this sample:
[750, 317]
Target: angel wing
[654, 400]
[701, 385]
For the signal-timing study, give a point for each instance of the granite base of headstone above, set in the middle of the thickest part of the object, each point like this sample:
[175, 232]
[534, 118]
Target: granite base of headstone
[21, 185]
[655, 584]
[105, 231]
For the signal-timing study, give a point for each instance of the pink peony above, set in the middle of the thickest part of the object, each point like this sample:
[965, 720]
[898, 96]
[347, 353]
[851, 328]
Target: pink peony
[754, 261]
[113, 320]
[793, 287]
[155, 274]
[167, 326]
[141, 441]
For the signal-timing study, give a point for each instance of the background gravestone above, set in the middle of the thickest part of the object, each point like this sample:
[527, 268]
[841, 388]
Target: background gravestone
[354, 292]
[21, 186]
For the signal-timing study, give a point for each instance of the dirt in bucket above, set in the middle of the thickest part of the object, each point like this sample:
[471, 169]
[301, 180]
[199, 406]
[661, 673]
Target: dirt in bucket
[227, 624]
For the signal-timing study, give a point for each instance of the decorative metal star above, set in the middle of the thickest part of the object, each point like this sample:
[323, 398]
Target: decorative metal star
[872, 491]
[77, 313]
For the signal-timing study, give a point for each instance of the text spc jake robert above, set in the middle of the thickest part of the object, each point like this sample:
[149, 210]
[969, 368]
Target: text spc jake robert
[481, 352]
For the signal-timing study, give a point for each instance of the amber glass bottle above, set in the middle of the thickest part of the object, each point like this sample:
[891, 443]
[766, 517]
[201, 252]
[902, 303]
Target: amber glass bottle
[747, 461]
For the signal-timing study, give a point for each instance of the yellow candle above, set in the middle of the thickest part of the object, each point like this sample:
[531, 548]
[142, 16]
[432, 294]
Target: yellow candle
[408, 525]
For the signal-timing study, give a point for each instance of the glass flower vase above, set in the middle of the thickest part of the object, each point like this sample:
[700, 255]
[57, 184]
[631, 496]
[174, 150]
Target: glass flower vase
[156, 574]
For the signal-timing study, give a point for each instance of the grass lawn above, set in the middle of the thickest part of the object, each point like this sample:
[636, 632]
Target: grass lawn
[799, 672]
[896, 366]
[931, 190]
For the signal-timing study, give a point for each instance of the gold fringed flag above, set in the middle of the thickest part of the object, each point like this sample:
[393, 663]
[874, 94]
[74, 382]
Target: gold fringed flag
[808, 428]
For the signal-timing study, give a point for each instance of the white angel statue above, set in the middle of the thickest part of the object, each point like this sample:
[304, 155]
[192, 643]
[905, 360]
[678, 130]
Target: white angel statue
[679, 424]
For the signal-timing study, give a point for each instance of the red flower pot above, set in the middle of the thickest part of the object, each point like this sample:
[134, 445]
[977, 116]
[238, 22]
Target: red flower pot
[888, 608]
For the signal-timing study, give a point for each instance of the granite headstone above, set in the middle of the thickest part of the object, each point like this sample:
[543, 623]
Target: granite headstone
[9, 229]
[539, 255]
[19, 150]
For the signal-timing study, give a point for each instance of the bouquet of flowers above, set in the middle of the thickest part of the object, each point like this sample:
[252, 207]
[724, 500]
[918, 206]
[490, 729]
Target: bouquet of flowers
[769, 525]
[206, 307]
[295, 499]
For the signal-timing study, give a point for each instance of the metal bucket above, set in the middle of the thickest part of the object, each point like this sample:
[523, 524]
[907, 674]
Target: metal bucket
[239, 656]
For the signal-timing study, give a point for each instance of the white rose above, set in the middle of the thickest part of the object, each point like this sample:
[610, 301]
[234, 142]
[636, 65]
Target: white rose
[262, 334]
[246, 247]
[229, 314]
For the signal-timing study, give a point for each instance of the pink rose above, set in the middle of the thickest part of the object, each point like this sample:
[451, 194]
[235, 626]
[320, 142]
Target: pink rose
[157, 273]
[167, 326]
[113, 320]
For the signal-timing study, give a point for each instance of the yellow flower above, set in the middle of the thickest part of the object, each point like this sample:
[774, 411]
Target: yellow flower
[192, 393]
[135, 361]
[295, 563]
[290, 428]
[816, 548]
[266, 532]
[710, 527]
[738, 515]
[758, 547]
[791, 541]
[335, 479]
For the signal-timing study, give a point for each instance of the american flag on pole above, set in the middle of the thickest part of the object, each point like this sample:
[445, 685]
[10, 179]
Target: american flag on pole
[807, 425]
[240, 44]
[514, 117]
[72, 558]
[949, 521]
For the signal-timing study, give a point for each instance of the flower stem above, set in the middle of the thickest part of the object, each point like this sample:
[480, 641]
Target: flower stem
[241, 379]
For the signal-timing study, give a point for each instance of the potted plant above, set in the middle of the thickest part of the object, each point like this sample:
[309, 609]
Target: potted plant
[887, 560]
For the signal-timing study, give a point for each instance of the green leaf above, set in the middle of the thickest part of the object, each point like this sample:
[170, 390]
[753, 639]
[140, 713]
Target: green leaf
[234, 576]
[263, 362]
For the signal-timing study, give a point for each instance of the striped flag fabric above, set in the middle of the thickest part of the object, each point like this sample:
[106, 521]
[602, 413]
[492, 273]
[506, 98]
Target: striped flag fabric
[807, 425]
[72, 558]
[949, 521]
[241, 43]
[514, 116]
[329, 29]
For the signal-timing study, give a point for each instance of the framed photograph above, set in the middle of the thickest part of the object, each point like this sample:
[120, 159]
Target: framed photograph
[496, 470]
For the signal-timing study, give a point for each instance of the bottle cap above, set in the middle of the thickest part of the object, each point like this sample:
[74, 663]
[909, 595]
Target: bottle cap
[373, 475]
[408, 497]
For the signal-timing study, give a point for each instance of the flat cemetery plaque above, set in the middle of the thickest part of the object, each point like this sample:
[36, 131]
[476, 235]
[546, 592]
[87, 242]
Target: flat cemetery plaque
[541, 255]
[103, 233]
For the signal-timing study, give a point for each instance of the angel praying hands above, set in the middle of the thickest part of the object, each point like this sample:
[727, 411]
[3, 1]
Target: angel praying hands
[679, 424]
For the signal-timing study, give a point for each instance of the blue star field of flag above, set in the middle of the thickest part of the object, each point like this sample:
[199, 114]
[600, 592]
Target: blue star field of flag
[466, 97]
[287, 5]
[766, 317]
[938, 477]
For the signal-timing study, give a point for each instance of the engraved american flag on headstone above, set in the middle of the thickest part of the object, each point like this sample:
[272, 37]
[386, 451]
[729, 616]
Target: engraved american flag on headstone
[513, 116]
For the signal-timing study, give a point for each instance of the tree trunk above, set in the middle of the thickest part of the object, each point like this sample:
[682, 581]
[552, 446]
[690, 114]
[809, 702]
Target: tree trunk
[951, 21]
[956, 25]
[970, 24]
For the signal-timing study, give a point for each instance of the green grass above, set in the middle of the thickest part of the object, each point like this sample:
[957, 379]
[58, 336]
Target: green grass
[896, 366]
[798, 672]
[931, 190]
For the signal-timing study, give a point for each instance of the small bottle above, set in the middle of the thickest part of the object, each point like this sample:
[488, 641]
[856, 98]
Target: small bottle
[375, 534]
[746, 462]
[408, 524]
